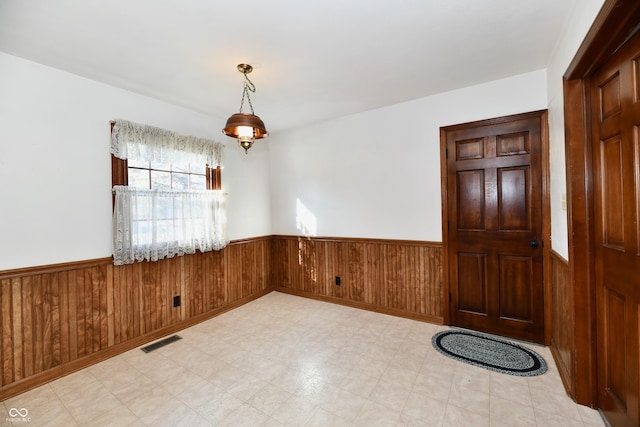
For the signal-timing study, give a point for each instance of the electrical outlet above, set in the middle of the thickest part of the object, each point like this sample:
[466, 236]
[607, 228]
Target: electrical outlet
[338, 281]
[176, 301]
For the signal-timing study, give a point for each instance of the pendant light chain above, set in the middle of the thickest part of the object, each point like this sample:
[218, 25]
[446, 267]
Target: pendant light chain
[248, 86]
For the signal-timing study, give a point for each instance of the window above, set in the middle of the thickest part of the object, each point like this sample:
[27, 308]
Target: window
[167, 194]
[146, 174]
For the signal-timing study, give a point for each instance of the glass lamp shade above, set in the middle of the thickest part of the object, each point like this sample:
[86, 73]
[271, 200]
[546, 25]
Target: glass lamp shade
[246, 128]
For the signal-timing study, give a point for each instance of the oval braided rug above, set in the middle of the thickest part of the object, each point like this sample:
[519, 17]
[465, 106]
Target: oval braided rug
[489, 352]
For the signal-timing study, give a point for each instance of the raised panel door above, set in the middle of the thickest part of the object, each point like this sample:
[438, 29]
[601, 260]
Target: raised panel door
[494, 208]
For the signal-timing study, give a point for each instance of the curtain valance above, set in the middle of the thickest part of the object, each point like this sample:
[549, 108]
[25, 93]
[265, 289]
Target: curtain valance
[136, 141]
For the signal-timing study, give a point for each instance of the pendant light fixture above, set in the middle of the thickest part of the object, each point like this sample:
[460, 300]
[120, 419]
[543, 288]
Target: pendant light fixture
[245, 127]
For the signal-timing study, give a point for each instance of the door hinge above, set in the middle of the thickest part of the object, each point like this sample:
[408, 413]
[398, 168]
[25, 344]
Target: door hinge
[446, 153]
[449, 297]
[448, 225]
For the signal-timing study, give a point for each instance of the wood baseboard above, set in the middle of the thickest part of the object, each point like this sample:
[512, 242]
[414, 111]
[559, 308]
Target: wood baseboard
[362, 306]
[398, 277]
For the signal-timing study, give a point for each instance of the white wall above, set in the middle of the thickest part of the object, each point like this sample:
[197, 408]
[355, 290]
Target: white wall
[55, 167]
[377, 174]
[582, 17]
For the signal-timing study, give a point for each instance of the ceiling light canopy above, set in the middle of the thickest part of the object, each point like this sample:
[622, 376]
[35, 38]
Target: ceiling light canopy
[245, 127]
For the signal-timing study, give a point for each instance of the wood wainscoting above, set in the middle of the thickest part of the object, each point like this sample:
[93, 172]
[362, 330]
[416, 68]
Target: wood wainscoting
[562, 342]
[60, 318]
[402, 278]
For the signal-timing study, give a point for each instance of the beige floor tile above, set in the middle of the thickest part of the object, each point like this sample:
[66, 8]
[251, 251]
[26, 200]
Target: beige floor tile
[178, 380]
[37, 399]
[265, 369]
[269, 398]
[43, 407]
[544, 419]
[361, 385]
[409, 361]
[284, 360]
[510, 388]
[244, 415]
[455, 416]
[370, 367]
[215, 411]
[390, 394]
[176, 416]
[225, 375]
[292, 379]
[549, 382]
[81, 402]
[323, 418]
[198, 393]
[120, 416]
[472, 377]
[470, 399]
[153, 401]
[344, 404]
[555, 403]
[434, 384]
[424, 408]
[589, 416]
[246, 387]
[73, 382]
[507, 413]
[295, 411]
[375, 414]
[332, 374]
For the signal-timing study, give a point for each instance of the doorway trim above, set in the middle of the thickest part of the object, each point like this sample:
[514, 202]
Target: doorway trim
[614, 23]
[546, 211]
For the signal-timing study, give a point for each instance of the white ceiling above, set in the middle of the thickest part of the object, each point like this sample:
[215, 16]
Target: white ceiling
[313, 60]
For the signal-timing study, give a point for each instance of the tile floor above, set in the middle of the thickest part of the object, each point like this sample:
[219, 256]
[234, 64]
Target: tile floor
[283, 360]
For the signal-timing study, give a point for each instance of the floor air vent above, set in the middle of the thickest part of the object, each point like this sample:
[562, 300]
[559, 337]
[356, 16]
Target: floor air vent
[161, 343]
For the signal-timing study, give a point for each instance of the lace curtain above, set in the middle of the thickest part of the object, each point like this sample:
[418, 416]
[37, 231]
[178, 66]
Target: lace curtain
[157, 223]
[143, 142]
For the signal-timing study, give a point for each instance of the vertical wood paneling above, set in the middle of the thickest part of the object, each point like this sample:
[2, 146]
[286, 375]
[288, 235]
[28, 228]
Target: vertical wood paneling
[46, 349]
[356, 271]
[65, 347]
[562, 338]
[405, 277]
[110, 313]
[171, 280]
[82, 328]
[7, 332]
[38, 324]
[53, 302]
[27, 326]
[148, 287]
[72, 317]
[53, 316]
[219, 280]
[16, 320]
[98, 307]
[375, 278]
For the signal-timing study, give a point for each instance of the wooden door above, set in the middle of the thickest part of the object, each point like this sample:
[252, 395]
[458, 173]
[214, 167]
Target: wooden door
[494, 225]
[615, 118]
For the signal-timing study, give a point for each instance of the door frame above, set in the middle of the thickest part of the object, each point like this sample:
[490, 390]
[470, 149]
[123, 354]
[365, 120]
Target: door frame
[615, 21]
[546, 211]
